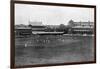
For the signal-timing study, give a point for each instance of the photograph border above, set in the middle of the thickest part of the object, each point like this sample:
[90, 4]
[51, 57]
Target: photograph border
[12, 34]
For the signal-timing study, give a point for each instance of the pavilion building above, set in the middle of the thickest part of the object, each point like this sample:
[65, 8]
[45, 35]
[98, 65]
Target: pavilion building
[82, 27]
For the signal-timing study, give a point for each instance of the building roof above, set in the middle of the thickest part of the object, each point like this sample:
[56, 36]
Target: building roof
[72, 23]
[35, 23]
[42, 32]
[84, 23]
[83, 27]
[23, 27]
[38, 26]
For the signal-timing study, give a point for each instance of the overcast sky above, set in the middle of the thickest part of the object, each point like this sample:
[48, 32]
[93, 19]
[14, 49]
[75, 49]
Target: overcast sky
[51, 15]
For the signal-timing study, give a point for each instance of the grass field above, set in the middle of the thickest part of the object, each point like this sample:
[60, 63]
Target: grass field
[55, 50]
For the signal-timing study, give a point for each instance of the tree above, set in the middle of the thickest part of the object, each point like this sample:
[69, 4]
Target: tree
[30, 25]
[67, 29]
[62, 27]
[71, 23]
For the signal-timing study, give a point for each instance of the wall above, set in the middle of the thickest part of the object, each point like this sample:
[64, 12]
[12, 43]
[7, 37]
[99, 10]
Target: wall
[5, 35]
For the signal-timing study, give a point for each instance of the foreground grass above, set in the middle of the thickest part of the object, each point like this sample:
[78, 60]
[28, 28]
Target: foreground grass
[57, 51]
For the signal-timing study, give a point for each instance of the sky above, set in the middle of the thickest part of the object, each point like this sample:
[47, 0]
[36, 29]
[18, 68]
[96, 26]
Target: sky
[51, 15]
